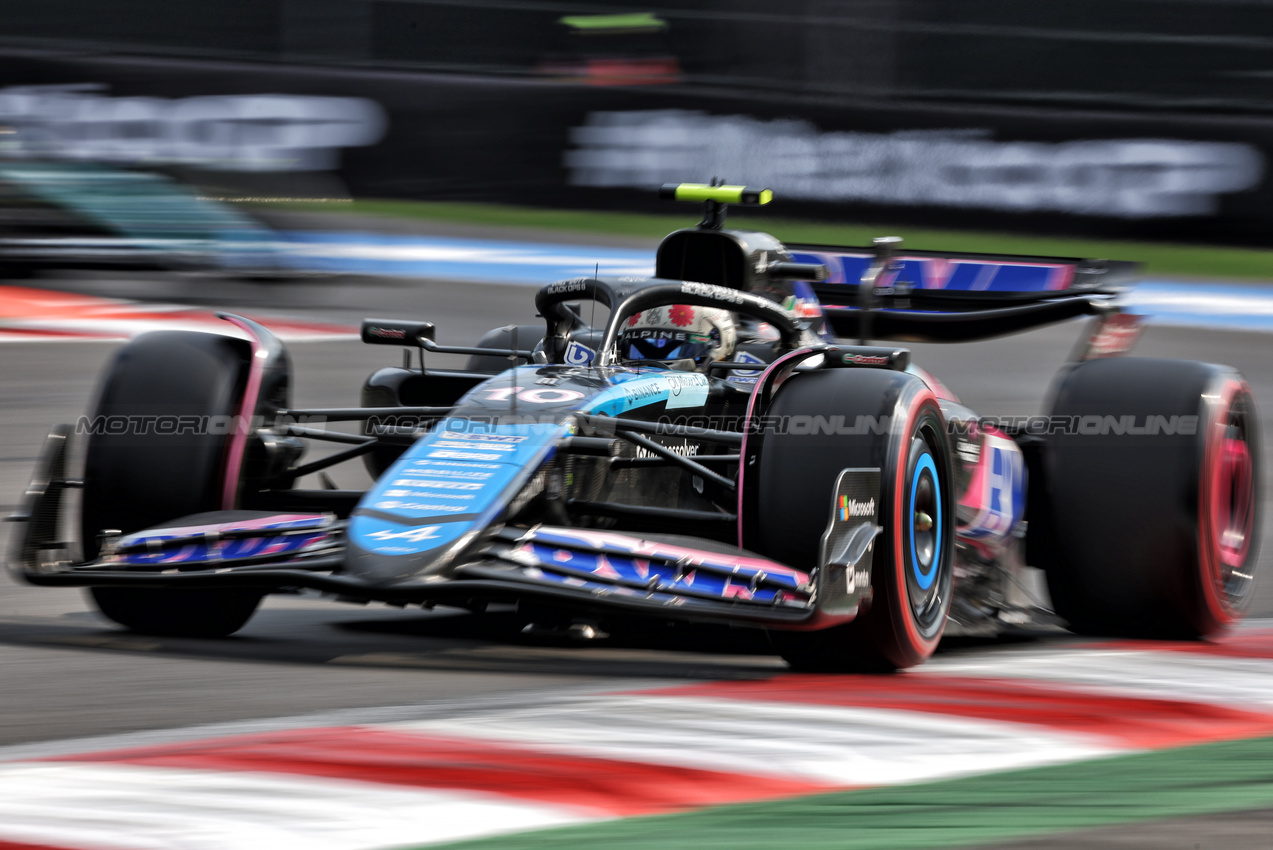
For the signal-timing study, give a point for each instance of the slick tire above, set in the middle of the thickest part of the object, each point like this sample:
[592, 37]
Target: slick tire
[1149, 534]
[135, 478]
[912, 564]
[204, 613]
[527, 337]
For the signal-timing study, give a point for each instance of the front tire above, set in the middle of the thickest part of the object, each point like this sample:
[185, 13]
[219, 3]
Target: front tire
[905, 438]
[137, 478]
[203, 613]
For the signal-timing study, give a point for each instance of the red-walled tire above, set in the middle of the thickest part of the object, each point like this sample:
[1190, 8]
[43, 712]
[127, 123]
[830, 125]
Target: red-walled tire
[912, 567]
[1153, 534]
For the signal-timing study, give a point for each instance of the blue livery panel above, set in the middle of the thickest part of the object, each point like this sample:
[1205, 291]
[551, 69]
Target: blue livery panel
[451, 482]
[951, 275]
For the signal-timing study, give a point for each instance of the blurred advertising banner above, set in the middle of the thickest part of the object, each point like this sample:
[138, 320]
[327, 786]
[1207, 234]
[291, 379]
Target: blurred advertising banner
[242, 132]
[563, 143]
[966, 168]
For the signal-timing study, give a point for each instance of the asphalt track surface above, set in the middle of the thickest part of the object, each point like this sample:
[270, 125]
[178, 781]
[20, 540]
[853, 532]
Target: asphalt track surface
[66, 673]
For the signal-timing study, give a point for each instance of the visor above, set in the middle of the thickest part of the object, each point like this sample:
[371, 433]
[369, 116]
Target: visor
[666, 345]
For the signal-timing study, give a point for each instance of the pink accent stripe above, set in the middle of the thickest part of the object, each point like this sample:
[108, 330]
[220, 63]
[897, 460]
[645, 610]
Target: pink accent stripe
[394, 758]
[1061, 277]
[17, 845]
[939, 389]
[1125, 721]
[239, 437]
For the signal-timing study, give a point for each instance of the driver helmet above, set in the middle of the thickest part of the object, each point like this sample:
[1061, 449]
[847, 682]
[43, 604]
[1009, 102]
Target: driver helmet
[679, 332]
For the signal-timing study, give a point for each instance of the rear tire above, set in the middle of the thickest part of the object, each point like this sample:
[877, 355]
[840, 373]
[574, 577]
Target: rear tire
[912, 567]
[138, 479]
[1151, 535]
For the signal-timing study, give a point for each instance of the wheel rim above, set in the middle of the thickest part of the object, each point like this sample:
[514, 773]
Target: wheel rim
[923, 522]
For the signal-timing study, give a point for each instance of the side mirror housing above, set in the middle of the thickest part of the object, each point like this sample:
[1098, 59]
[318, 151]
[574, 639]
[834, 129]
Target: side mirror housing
[396, 332]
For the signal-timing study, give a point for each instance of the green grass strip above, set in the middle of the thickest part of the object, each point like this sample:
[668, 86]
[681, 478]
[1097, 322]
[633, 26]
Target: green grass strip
[1208, 262]
[1230, 776]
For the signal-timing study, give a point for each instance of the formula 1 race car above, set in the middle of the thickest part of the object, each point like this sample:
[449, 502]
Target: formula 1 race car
[724, 447]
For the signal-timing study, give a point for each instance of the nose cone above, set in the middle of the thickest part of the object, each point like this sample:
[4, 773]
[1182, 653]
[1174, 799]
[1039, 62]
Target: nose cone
[450, 485]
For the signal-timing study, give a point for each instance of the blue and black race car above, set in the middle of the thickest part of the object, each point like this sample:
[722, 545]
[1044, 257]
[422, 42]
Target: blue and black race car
[726, 446]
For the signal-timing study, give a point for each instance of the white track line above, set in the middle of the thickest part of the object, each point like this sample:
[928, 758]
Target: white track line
[827, 744]
[140, 808]
[1206, 678]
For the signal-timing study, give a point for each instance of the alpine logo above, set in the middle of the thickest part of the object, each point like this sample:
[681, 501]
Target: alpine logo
[415, 535]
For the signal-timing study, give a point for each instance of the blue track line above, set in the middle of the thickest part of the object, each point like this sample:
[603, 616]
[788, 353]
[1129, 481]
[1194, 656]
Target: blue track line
[477, 260]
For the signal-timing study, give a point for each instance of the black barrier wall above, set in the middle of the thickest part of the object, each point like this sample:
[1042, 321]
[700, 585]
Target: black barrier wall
[448, 137]
[1124, 54]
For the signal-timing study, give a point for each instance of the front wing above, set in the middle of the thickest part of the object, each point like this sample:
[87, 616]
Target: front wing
[582, 568]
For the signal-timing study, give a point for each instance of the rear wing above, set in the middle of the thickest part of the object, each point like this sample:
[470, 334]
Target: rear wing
[943, 296]
[885, 292]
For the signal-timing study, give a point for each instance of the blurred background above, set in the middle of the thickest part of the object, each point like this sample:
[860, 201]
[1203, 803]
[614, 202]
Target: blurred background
[1129, 118]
